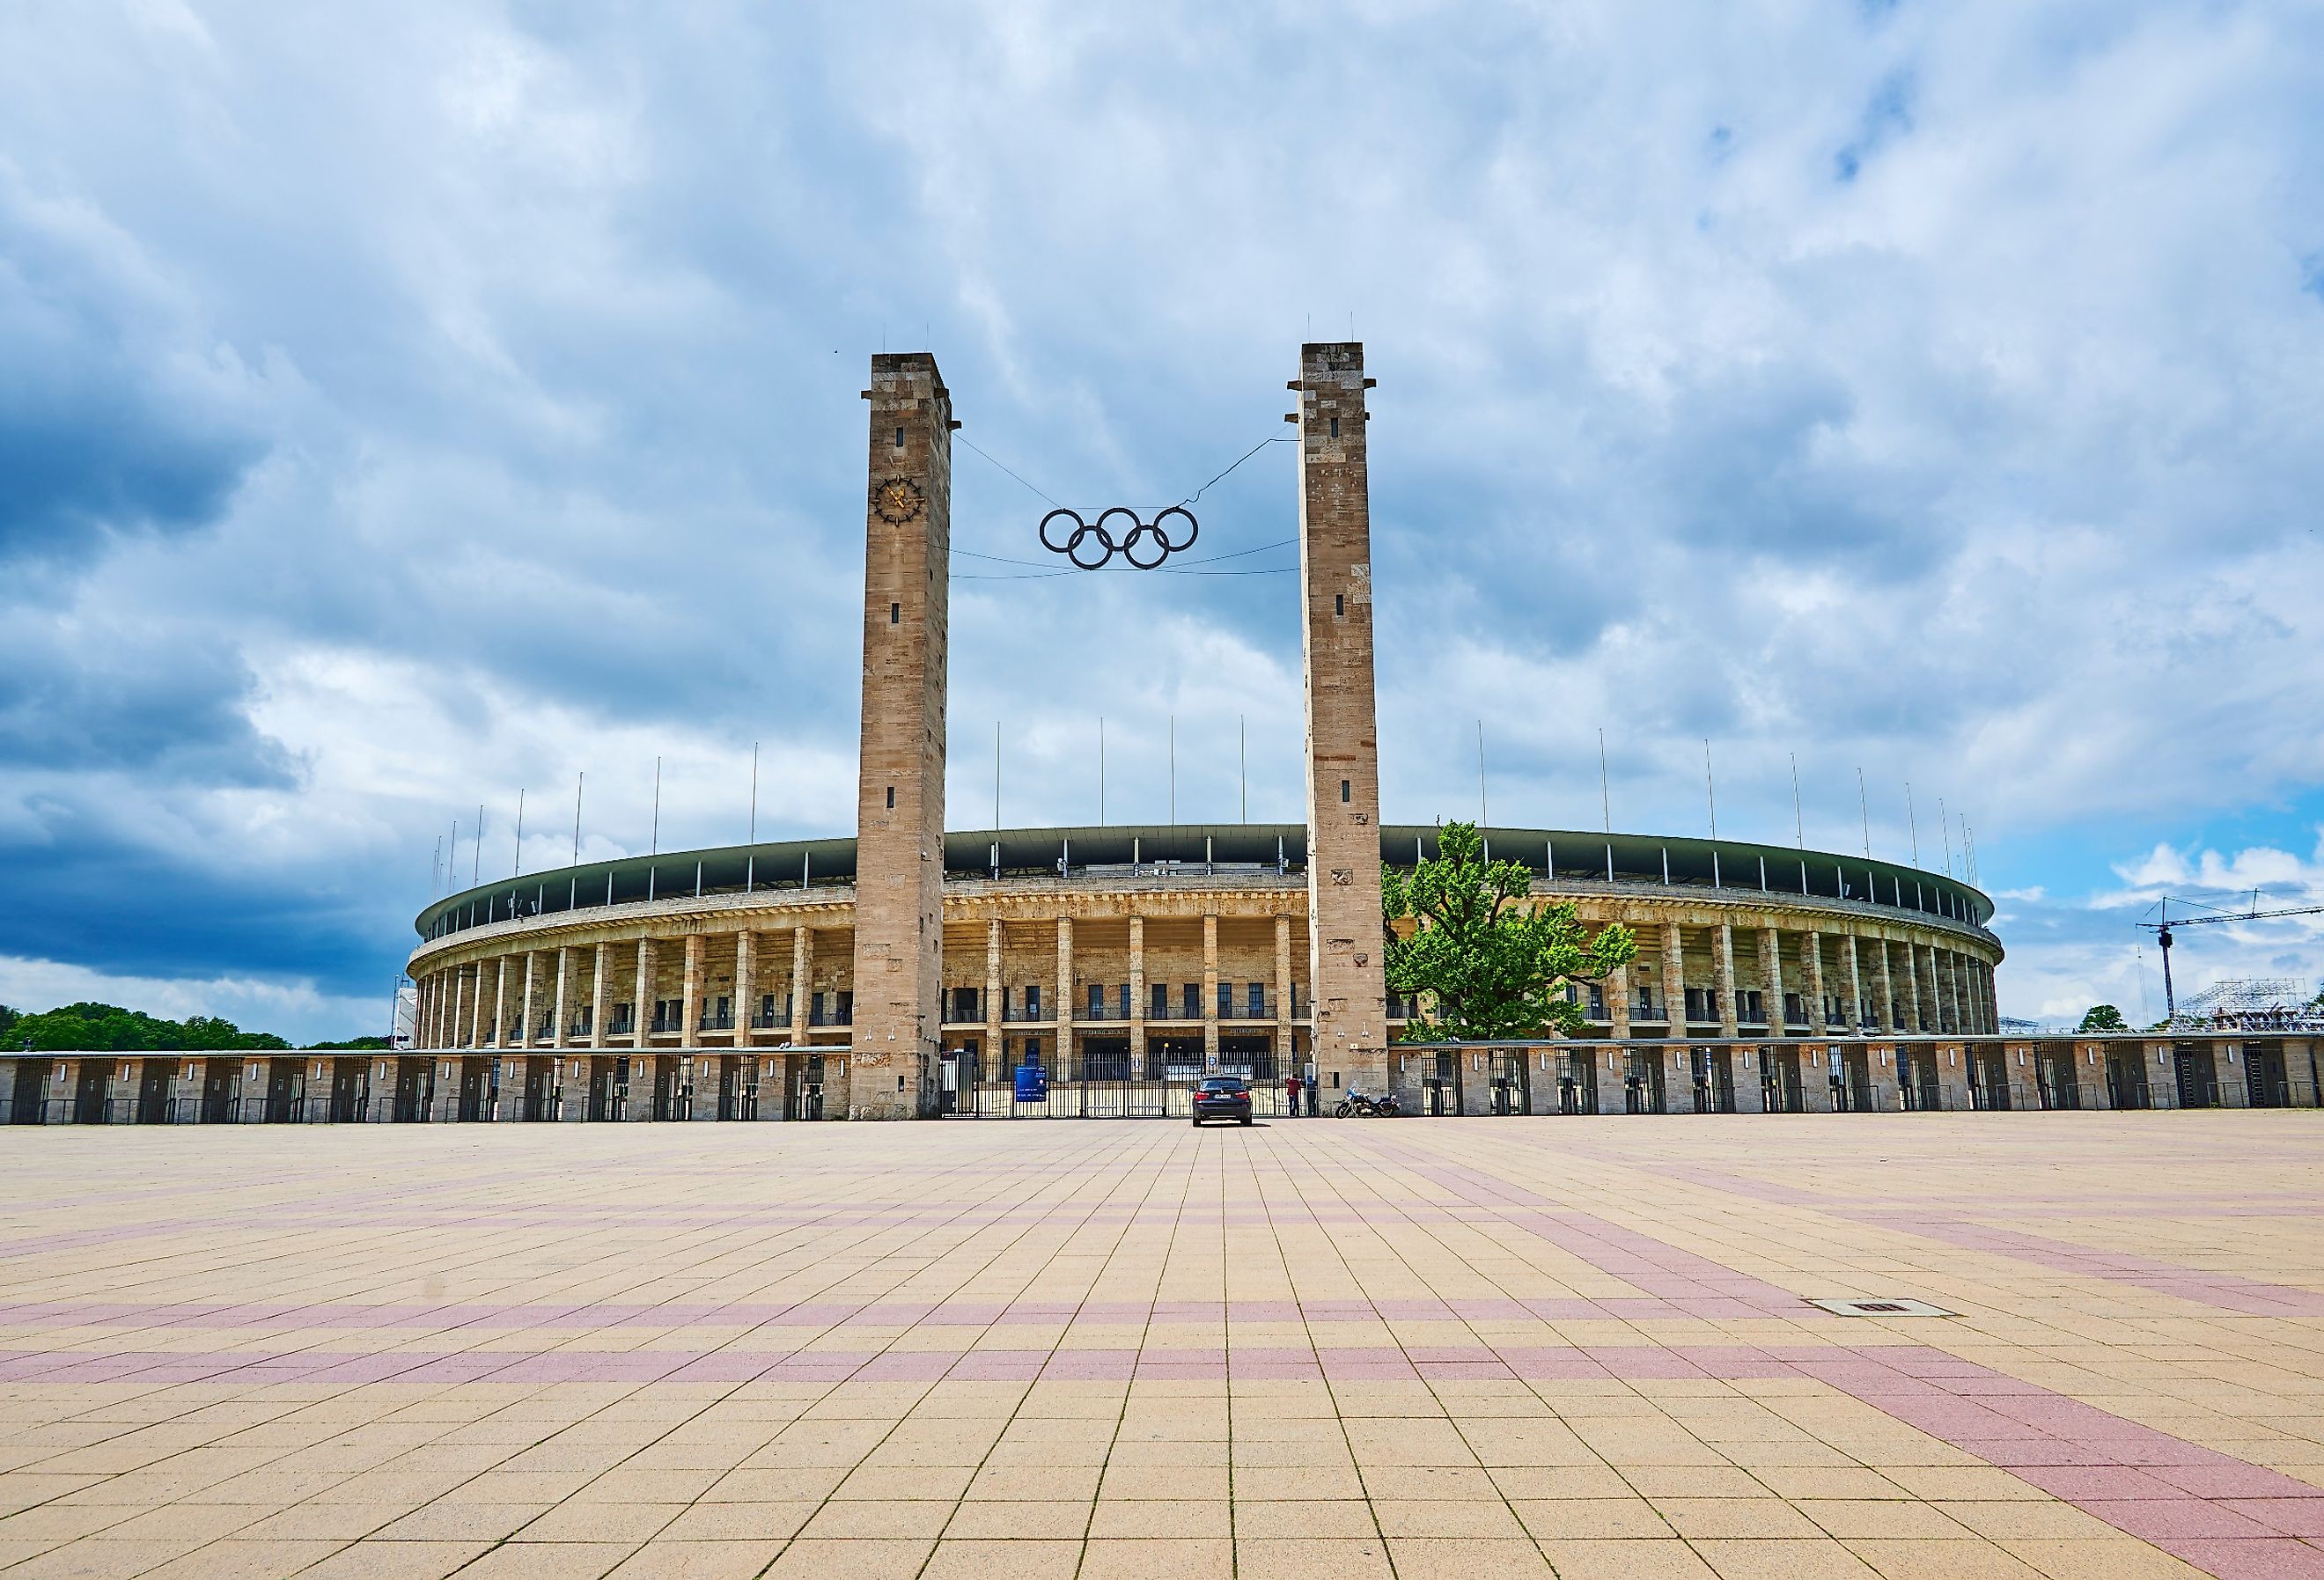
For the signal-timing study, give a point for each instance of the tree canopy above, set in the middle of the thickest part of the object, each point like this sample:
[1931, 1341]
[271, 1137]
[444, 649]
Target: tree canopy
[110, 1028]
[2103, 1017]
[1465, 932]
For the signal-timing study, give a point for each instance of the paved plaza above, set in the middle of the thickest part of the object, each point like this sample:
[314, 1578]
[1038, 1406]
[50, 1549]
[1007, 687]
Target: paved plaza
[1456, 1349]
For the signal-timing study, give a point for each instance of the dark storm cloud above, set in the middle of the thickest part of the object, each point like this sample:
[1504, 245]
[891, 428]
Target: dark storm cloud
[91, 890]
[159, 699]
[98, 431]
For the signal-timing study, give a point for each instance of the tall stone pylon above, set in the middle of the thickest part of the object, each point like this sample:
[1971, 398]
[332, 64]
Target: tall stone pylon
[899, 809]
[1347, 989]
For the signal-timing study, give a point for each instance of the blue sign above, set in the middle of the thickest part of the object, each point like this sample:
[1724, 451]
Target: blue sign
[1032, 1083]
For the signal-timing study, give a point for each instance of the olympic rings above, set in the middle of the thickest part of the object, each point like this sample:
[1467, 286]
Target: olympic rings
[1092, 547]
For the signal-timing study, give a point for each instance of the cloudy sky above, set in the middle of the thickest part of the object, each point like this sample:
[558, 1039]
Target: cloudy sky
[404, 406]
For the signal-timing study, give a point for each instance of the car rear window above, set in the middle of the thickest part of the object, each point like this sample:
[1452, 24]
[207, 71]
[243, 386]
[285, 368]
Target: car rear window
[1221, 1084]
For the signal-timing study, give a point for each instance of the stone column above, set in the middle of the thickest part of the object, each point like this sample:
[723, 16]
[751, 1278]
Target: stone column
[690, 991]
[1137, 996]
[1617, 1003]
[1885, 1020]
[996, 1034]
[1062, 1063]
[642, 1012]
[1771, 973]
[524, 1009]
[1612, 1066]
[1811, 957]
[1953, 991]
[1723, 979]
[475, 1020]
[1211, 992]
[557, 1015]
[1673, 980]
[746, 985]
[1349, 991]
[899, 809]
[1926, 986]
[599, 1008]
[802, 980]
[1855, 1016]
[1284, 1053]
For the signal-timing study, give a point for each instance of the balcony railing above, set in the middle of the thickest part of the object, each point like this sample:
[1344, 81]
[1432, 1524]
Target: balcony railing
[832, 1017]
[1020, 1013]
[724, 1023]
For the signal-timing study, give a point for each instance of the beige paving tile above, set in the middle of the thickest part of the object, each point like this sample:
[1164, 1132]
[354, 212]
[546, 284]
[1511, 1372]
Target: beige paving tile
[550, 1561]
[1313, 1557]
[1163, 1558]
[1590, 1519]
[1643, 1559]
[698, 1560]
[1015, 1518]
[892, 1559]
[587, 1520]
[1781, 1558]
[1466, 1559]
[1173, 1519]
[867, 1518]
[1003, 1560]
[1264, 1521]
[395, 1560]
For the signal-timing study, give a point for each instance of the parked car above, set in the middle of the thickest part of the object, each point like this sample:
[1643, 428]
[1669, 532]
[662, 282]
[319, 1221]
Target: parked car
[1222, 1098]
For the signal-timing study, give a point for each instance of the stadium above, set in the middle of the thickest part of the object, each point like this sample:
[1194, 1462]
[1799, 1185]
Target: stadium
[1125, 961]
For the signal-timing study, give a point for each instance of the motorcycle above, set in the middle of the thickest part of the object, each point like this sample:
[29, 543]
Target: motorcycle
[1357, 1106]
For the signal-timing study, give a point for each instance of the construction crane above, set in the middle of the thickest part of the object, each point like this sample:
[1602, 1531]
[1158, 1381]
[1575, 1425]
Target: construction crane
[2161, 930]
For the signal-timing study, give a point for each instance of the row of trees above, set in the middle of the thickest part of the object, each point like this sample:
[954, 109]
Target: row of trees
[110, 1028]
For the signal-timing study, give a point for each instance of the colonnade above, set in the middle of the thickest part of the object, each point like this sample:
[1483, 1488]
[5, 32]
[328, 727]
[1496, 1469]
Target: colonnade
[1701, 970]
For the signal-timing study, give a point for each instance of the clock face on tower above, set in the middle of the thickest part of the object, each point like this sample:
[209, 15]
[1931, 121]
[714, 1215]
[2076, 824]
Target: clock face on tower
[898, 500]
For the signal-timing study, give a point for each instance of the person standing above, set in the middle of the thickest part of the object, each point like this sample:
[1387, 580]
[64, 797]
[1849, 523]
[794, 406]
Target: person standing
[1291, 1091]
[1311, 1084]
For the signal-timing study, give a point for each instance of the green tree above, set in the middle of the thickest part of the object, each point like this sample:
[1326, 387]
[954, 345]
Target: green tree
[2103, 1017]
[1464, 931]
[8, 1019]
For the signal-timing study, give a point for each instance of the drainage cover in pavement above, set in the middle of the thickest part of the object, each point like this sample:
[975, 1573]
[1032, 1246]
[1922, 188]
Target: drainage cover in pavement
[1892, 1308]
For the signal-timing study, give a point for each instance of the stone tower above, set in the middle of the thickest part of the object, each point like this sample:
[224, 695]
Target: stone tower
[899, 810]
[1344, 852]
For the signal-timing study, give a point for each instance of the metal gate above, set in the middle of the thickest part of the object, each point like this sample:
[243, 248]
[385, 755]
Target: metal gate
[1101, 1089]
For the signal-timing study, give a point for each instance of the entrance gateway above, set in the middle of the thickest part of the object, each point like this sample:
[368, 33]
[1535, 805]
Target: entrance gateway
[897, 1065]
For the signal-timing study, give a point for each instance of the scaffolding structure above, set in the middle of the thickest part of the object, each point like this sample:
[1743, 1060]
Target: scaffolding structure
[2255, 1004]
